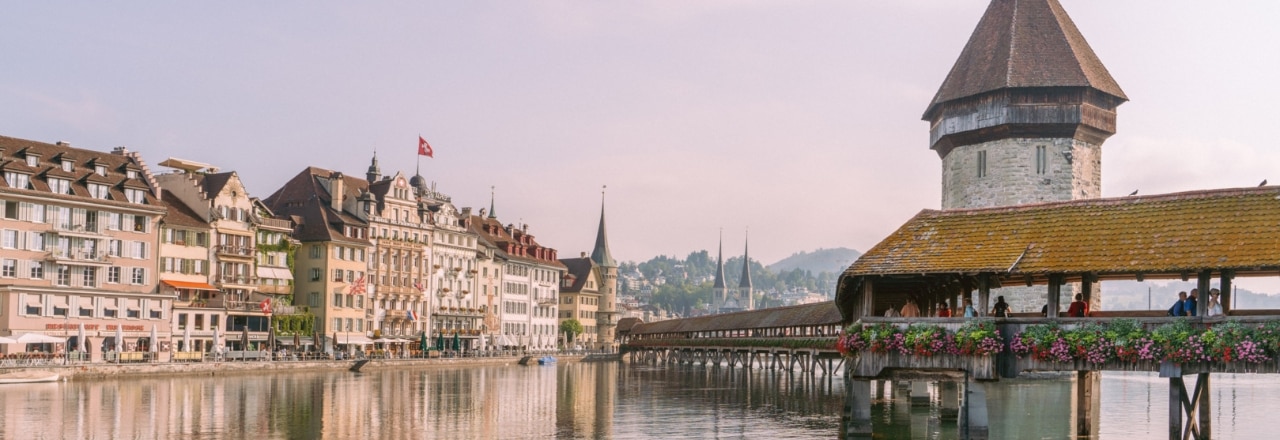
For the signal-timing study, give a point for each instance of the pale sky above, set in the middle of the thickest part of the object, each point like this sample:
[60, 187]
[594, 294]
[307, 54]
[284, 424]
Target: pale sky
[799, 120]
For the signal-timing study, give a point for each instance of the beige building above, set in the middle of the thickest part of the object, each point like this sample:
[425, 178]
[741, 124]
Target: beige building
[330, 265]
[525, 283]
[79, 238]
[580, 298]
[400, 230]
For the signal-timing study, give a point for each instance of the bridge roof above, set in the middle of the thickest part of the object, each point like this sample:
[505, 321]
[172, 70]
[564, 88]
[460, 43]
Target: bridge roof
[801, 315]
[1169, 233]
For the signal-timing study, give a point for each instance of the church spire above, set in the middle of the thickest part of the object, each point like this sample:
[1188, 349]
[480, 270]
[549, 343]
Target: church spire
[746, 265]
[719, 283]
[601, 254]
[492, 213]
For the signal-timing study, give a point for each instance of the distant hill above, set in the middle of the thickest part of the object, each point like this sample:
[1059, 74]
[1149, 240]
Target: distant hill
[822, 260]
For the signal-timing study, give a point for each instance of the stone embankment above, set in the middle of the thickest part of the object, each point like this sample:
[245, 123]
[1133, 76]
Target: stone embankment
[106, 370]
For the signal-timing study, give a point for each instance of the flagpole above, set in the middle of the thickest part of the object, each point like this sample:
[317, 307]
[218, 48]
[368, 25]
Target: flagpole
[418, 170]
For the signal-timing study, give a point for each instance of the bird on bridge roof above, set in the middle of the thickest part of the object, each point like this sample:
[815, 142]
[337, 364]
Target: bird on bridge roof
[1134, 193]
[1264, 182]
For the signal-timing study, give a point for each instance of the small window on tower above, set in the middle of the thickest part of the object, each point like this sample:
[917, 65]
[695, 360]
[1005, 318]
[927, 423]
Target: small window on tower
[982, 163]
[1042, 159]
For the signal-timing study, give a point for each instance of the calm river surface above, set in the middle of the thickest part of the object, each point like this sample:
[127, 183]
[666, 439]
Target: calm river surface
[573, 400]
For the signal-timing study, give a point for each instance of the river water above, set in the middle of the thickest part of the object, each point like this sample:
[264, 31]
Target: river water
[575, 400]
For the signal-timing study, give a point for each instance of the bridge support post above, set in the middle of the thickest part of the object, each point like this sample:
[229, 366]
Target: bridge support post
[1088, 402]
[973, 412]
[857, 408]
[1194, 406]
[919, 393]
[949, 395]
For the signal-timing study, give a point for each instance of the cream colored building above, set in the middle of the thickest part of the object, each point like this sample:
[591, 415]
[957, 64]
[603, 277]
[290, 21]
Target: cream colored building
[78, 241]
[400, 230]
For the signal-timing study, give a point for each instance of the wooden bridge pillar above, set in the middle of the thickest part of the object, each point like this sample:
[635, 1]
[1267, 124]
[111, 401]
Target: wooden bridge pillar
[919, 393]
[973, 412]
[857, 408]
[1088, 402]
[949, 396]
[1195, 406]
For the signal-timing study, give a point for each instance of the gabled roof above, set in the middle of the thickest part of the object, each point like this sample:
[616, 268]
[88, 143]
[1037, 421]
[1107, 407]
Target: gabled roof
[14, 159]
[1025, 43]
[800, 315]
[304, 199]
[179, 213]
[579, 269]
[1236, 229]
[511, 243]
[212, 184]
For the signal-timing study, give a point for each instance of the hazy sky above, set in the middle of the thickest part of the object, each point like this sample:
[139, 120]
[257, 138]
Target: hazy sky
[799, 120]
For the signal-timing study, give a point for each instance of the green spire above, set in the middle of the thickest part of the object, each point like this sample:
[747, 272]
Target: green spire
[601, 253]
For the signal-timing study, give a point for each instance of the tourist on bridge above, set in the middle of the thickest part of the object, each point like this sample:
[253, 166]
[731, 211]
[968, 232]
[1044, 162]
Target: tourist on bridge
[1079, 308]
[1190, 305]
[892, 312]
[1179, 308]
[1001, 309]
[943, 310]
[1215, 306]
[969, 312]
[910, 309]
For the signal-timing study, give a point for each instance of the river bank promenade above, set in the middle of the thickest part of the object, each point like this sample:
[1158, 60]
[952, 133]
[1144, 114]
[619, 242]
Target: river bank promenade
[213, 368]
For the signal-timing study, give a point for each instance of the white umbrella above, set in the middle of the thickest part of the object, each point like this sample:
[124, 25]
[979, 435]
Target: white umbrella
[154, 343]
[186, 338]
[119, 338]
[4, 340]
[39, 338]
[80, 339]
[216, 344]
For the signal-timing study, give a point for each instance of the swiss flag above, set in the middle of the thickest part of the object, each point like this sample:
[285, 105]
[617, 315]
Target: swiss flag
[265, 305]
[424, 149]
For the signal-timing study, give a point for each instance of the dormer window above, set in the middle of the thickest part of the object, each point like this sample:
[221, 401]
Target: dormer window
[59, 186]
[98, 191]
[134, 195]
[33, 160]
[132, 174]
[100, 170]
[68, 166]
[18, 180]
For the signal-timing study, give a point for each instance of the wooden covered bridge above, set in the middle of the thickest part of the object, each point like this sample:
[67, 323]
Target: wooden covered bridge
[951, 256]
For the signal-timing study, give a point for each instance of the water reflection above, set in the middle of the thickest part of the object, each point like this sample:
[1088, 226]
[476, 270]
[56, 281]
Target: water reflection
[578, 400]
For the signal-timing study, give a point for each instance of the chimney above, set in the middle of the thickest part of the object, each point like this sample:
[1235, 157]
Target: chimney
[119, 151]
[335, 190]
[63, 144]
[466, 211]
[583, 254]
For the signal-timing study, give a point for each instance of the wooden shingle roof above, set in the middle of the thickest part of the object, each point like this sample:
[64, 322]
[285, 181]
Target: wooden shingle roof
[1236, 229]
[801, 315]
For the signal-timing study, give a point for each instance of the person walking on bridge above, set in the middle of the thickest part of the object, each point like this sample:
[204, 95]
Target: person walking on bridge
[1179, 308]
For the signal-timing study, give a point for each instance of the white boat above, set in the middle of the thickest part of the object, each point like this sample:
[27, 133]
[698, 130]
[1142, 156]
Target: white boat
[28, 377]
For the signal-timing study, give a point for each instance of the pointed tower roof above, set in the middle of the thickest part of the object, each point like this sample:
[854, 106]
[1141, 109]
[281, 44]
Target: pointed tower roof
[1024, 43]
[601, 254]
[746, 265]
[374, 173]
[492, 211]
[719, 283]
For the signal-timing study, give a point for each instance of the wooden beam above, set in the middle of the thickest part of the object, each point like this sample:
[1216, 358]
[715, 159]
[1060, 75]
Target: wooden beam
[1054, 295]
[984, 295]
[1202, 284]
[1225, 281]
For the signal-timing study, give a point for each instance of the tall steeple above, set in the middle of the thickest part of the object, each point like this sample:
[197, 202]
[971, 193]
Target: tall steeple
[746, 266]
[492, 214]
[1022, 115]
[374, 172]
[601, 254]
[719, 285]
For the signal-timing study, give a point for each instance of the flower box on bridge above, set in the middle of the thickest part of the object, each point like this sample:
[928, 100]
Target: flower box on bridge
[871, 364]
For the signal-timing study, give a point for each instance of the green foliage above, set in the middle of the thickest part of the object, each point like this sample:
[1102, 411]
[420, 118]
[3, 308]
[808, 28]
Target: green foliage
[572, 328]
[289, 325]
[687, 281]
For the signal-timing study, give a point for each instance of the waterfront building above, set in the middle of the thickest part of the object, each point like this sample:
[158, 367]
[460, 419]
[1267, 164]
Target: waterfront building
[400, 231]
[528, 285]
[330, 275]
[79, 238]
[1017, 126]
[580, 297]
[184, 274]
[454, 268]
[489, 283]
[240, 300]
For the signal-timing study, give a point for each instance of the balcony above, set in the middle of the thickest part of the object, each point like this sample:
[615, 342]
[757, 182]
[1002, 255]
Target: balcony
[87, 230]
[548, 301]
[275, 289]
[234, 251]
[456, 311]
[80, 257]
[239, 280]
[273, 223]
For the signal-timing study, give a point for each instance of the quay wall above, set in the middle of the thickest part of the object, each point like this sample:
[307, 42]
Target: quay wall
[105, 370]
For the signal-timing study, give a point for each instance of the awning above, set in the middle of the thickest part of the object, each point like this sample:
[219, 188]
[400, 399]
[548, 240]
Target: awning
[353, 340]
[38, 338]
[188, 285]
[274, 273]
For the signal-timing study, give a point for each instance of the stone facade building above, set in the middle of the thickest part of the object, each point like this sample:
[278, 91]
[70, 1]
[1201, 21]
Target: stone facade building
[528, 282]
[1022, 116]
